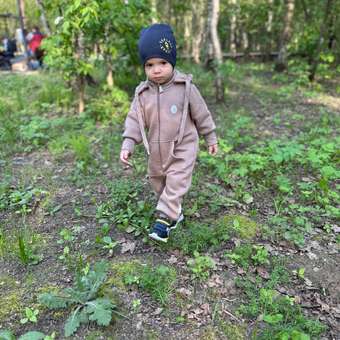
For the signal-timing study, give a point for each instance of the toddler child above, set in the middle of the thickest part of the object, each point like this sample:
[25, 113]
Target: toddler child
[167, 114]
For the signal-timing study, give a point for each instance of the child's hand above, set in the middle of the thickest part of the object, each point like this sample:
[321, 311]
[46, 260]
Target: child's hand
[213, 149]
[124, 156]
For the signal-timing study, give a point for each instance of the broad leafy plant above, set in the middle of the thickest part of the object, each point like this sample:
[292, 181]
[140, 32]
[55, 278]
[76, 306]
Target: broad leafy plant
[84, 296]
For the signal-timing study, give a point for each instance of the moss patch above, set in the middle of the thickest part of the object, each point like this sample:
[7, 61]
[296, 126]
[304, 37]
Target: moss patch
[209, 333]
[231, 331]
[121, 270]
[10, 297]
[10, 303]
[238, 226]
[95, 335]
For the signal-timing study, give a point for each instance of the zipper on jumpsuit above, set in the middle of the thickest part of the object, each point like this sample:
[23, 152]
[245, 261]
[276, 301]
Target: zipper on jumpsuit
[160, 90]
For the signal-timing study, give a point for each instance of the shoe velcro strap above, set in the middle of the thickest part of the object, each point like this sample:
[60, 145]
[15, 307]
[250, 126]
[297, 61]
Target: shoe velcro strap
[159, 220]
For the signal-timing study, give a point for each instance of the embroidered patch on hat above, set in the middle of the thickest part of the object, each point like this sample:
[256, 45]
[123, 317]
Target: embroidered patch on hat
[165, 45]
[173, 109]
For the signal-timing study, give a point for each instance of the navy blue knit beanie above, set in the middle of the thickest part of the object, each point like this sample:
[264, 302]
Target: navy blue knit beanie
[157, 41]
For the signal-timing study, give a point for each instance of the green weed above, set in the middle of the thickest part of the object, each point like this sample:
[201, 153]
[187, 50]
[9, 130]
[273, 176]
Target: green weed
[201, 266]
[30, 315]
[280, 317]
[35, 132]
[157, 281]
[81, 147]
[126, 209]
[20, 200]
[112, 105]
[85, 296]
[28, 245]
[31, 335]
[198, 237]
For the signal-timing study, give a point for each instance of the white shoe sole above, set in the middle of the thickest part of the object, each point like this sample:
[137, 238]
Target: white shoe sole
[154, 236]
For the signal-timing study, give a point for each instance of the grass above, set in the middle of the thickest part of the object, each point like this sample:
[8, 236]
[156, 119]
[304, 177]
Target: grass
[158, 281]
[277, 315]
[274, 180]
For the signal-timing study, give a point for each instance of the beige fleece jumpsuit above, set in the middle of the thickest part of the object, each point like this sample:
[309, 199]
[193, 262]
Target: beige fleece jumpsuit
[173, 114]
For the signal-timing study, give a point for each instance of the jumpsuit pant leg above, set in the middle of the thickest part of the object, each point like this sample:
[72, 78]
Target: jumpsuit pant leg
[177, 184]
[171, 179]
[157, 183]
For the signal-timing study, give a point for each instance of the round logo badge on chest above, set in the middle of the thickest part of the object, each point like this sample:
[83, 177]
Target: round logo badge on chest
[173, 109]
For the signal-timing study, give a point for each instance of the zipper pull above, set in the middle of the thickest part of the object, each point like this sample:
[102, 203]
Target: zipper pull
[160, 88]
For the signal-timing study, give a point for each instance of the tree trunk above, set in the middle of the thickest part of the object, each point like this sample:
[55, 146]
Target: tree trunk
[81, 77]
[214, 13]
[154, 11]
[245, 42]
[44, 22]
[109, 77]
[21, 11]
[305, 11]
[198, 29]
[269, 28]
[167, 8]
[81, 94]
[232, 45]
[281, 63]
[187, 21]
[322, 39]
[336, 34]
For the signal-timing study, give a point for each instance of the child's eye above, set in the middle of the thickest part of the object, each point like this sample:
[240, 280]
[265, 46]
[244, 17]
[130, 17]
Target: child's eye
[164, 62]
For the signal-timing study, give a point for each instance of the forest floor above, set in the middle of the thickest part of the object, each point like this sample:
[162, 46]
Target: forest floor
[257, 256]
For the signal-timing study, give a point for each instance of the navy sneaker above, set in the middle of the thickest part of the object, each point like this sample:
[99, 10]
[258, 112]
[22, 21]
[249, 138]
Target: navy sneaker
[162, 227]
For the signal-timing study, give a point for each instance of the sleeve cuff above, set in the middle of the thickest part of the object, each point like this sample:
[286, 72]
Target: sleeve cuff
[211, 138]
[128, 144]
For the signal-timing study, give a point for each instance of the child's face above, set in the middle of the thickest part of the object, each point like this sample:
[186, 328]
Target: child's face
[158, 70]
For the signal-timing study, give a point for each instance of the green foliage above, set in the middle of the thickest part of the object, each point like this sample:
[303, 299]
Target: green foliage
[126, 209]
[108, 244]
[273, 164]
[6, 335]
[23, 244]
[246, 254]
[32, 335]
[23, 107]
[66, 236]
[260, 256]
[30, 315]
[237, 225]
[89, 306]
[36, 131]
[20, 200]
[241, 255]
[230, 69]
[125, 273]
[112, 105]
[114, 25]
[198, 237]
[158, 281]
[281, 317]
[81, 146]
[200, 266]
[27, 248]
